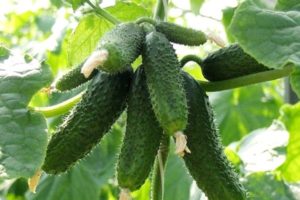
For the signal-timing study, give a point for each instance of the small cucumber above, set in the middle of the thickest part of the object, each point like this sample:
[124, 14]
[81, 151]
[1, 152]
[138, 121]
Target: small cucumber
[165, 83]
[88, 121]
[124, 45]
[73, 79]
[230, 62]
[207, 162]
[142, 137]
[181, 35]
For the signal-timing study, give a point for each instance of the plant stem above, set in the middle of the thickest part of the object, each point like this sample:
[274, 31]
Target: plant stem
[189, 58]
[60, 108]
[161, 10]
[104, 14]
[157, 191]
[246, 80]
[146, 19]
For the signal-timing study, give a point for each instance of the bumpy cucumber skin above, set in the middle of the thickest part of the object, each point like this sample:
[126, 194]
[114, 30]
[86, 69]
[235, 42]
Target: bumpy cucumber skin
[181, 35]
[73, 79]
[124, 44]
[88, 121]
[229, 62]
[207, 162]
[165, 83]
[142, 137]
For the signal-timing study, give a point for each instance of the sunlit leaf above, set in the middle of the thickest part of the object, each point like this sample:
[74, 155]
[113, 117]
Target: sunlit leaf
[263, 149]
[196, 5]
[91, 27]
[290, 115]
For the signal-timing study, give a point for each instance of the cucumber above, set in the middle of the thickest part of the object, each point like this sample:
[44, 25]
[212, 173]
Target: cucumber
[181, 35]
[73, 79]
[142, 137]
[124, 45]
[88, 121]
[229, 62]
[207, 163]
[165, 83]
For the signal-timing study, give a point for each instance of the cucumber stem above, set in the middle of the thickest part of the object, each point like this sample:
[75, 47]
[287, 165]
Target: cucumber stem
[104, 14]
[60, 108]
[246, 80]
[157, 187]
[147, 20]
[189, 58]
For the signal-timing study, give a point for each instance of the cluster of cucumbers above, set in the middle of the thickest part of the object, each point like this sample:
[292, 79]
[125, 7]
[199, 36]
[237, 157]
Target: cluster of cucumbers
[159, 98]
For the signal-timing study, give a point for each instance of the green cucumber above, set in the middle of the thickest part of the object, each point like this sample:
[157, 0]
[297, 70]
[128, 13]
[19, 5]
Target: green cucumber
[142, 137]
[230, 62]
[207, 162]
[124, 45]
[73, 79]
[165, 83]
[88, 121]
[181, 35]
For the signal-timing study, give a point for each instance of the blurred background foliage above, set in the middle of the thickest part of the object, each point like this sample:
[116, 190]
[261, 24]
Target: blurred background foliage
[260, 131]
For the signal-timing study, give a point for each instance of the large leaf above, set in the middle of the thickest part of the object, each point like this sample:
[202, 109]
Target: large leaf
[23, 133]
[288, 5]
[266, 186]
[85, 179]
[290, 115]
[264, 149]
[91, 27]
[242, 110]
[271, 37]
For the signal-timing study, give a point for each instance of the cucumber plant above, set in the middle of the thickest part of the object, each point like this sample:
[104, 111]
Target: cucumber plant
[155, 96]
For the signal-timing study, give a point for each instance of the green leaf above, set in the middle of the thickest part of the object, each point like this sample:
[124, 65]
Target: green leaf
[226, 20]
[196, 5]
[271, 37]
[177, 181]
[288, 5]
[242, 110]
[290, 116]
[266, 186]
[85, 179]
[4, 53]
[126, 11]
[91, 28]
[23, 133]
[263, 149]
[295, 81]
[84, 39]
[76, 3]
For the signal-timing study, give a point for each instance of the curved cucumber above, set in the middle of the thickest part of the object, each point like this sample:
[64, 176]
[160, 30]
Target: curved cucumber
[181, 35]
[73, 79]
[142, 137]
[88, 121]
[124, 45]
[165, 83]
[229, 62]
[207, 163]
